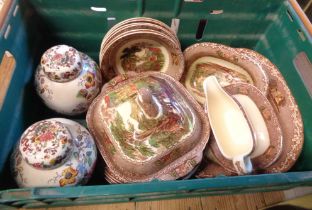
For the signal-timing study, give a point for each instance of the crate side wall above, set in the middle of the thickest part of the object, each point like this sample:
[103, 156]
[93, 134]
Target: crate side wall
[281, 44]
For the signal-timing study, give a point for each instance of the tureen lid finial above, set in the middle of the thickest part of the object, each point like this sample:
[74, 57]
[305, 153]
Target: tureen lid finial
[147, 103]
[46, 144]
[61, 63]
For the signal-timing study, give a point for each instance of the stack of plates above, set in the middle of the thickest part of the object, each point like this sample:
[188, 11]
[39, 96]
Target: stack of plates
[140, 45]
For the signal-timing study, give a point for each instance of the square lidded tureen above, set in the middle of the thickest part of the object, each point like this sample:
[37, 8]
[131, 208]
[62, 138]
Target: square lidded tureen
[147, 126]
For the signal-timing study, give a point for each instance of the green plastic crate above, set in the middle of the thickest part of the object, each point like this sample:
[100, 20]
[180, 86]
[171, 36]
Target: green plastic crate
[270, 27]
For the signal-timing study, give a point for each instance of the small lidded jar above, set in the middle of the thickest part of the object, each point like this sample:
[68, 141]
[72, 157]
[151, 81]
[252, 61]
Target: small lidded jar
[46, 145]
[67, 80]
[54, 152]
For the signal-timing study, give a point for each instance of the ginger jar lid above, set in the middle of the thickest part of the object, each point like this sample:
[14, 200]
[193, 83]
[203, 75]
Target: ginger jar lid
[61, 63]
[46, 144]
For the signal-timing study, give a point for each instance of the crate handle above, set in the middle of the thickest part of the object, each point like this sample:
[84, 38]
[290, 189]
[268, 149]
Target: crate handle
[7, 68]
[4, 9]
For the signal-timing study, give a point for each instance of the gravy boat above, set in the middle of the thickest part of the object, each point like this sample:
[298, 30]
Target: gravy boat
[232, 131]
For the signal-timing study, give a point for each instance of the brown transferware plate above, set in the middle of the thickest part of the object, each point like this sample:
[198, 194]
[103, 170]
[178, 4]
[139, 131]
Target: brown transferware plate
[287, 112]
[210, 169]
[225, 63]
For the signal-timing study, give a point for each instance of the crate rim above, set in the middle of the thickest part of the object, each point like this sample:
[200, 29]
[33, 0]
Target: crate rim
[191, 185]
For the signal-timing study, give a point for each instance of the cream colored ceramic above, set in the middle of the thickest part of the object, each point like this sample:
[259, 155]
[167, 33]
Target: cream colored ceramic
[54, 152]
[147, 126]
[223, 62]
[67, 80]
[230, 127]
[257, 122]
[287, 112]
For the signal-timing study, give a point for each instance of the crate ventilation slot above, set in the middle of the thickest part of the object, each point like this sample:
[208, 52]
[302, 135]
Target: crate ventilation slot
[15, 10]
[98, 9]
[7, 32]
[194, 1]
[301, 35]
[303, 66]
[175, 23]
[289, 15]
[216, 12]
[201, 28]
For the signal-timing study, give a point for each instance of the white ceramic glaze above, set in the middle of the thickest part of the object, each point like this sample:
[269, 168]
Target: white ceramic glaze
[262, 139]
[54, 152]
[230, 127]
[67, 80]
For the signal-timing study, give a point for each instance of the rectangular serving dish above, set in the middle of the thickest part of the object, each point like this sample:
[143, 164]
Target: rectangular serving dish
[272, 28]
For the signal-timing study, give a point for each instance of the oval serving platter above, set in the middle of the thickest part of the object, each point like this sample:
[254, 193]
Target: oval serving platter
[226, 63]
[287, 112]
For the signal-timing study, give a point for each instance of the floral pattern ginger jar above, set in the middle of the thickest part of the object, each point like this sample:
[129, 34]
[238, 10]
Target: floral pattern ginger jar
[67, 80]
[54, 152]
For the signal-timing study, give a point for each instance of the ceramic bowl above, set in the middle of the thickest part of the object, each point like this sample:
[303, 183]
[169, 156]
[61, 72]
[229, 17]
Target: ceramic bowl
[136, 26]
[148, 126]
[140, 47]
[184, 170]
[54, 152]
[225, 63]
[67, 80]
[142, 21]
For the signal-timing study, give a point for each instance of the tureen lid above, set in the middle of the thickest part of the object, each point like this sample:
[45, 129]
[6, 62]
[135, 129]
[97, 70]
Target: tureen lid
[46, 144]
[61, 63]
[149, 112]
